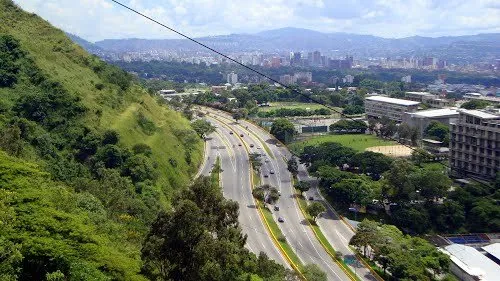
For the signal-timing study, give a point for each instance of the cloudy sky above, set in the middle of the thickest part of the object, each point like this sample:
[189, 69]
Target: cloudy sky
[99, 19]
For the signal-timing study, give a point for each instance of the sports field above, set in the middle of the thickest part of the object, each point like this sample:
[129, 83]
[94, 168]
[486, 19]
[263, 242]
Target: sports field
[359, 142]
[277, 105]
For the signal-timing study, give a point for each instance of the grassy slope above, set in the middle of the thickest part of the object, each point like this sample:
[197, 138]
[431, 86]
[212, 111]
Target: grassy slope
[357, 142]
[64, 61]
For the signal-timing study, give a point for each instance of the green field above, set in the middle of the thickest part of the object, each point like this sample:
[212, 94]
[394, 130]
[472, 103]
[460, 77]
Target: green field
[277, 105]
[358, 142]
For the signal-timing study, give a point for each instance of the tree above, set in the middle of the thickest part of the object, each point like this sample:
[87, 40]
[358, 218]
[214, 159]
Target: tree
[438, 131]
[475, 104]
[349, 126]
[419, 156]
[312, 272]
[366, 233]
[315, 209]
[397, 186]
[240, 113]
[110, 137]
[293, 166]
[349, 191]
[404, 131]
[200, 239]
[254, 159]
[202, 127]
[303, 186]
[283, 130]
[273, 195]
[353, 110]
[430, 184]
[371, 162]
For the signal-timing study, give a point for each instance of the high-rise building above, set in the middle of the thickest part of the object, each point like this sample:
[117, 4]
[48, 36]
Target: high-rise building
[406, 79]
[295, 58]
[232, 78]
[475, 144]
[316, 60]
[348, 79]
[303, 77]
[275, 62]
[288, 79]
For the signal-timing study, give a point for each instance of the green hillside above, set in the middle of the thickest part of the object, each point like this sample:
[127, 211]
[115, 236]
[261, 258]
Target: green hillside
[89, 157]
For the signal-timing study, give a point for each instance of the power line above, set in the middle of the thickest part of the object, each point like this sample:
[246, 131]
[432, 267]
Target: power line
[274, 80]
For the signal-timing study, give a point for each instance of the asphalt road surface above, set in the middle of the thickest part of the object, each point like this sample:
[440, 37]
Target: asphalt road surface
[235, 180]
[298, 234]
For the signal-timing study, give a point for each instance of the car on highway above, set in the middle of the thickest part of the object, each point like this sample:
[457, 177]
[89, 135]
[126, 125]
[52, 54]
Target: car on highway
[276, 208]
[266, 160]
[311, 198]
[281, 219]
[239, 144]
[251, 145]
[241, 135]
[271, 172]
[266, 175]
[231, 132]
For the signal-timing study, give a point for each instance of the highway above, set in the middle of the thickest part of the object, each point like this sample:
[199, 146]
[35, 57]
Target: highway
[235, 181]
[298, 234]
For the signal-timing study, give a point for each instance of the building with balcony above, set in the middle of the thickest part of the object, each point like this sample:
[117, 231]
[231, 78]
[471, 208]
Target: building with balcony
[380, 106]
[475, 144]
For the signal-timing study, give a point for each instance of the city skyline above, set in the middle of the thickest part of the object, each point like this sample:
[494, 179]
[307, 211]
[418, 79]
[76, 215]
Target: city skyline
[104, 19]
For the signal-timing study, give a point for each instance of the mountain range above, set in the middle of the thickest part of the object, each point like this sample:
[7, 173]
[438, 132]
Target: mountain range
[464, 48]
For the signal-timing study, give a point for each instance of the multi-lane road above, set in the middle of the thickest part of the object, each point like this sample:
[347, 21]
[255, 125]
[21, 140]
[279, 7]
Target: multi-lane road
[233, 150]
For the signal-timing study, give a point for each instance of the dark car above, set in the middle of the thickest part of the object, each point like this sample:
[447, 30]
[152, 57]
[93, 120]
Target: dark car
[239, 144]
[251, 145]
[266, 175]
[280, 219]
[231, 132]
[241, 135]
[311, 198]
[276, 208]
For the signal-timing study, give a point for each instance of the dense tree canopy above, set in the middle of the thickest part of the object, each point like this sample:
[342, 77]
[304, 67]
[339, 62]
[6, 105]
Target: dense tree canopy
[200, 239]
[283, 130]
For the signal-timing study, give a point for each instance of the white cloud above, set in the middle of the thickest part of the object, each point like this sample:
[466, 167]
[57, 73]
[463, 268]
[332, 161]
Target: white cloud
[99, 19]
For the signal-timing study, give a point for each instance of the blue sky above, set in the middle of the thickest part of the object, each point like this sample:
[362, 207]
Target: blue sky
[99, 19]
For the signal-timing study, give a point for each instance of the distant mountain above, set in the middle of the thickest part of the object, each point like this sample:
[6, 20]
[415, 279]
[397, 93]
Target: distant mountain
[469, 47]
[89, 46]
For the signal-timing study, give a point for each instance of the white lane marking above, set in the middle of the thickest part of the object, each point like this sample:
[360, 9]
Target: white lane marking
[341, 236]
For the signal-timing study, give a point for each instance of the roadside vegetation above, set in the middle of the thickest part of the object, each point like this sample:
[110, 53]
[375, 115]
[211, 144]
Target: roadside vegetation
[88, 158]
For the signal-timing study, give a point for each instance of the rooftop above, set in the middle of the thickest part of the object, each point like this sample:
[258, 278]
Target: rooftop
[480, 114]
[420, 93]
[392, 100]
[442, 112]
[493, 249]
[473, 262]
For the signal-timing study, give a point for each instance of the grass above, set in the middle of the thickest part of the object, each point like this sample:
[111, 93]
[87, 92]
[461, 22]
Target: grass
[109, 107]
[215, 175]
[303, 105]
[256, 178]
[357, 142]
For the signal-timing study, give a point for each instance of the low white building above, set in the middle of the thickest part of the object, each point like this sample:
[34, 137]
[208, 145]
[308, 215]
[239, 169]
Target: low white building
[381, 106]
[468, 264]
